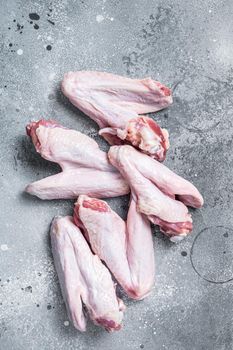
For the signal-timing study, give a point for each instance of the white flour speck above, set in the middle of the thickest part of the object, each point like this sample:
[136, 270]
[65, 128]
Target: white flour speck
[111, 19]
[4, 247]
[49, 38]
[66, 323]
[30, 108]
[19, 52]
[99, 18]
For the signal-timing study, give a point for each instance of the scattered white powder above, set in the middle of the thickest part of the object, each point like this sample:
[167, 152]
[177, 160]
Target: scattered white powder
[99, 18]
[66, 323]
[4, 247]
[19, 52]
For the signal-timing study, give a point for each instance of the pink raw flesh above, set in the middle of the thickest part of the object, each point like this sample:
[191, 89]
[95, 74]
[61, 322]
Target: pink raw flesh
[172, 229]
[109, 325]
[96, 205]
[145, 134]
[164, 89]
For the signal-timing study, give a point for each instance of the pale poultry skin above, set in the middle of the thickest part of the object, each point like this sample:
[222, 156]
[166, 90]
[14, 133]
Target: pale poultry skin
[155, 188]
[83, 278]
[119, 244]
[165, 179]
[85, 168]
[118, 105]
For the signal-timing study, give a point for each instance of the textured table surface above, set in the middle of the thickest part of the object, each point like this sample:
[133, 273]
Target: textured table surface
[184, 44]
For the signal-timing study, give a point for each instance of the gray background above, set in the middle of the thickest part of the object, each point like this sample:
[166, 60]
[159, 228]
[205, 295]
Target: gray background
[184, 44]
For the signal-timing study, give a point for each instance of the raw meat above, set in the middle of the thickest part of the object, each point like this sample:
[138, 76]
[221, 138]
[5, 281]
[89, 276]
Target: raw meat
[85, 168]
[69, 148]
[119, 245]
[166, 180]
[71, 183]
[83, 278]
[158, 203]
[140, 252]
[118, 104]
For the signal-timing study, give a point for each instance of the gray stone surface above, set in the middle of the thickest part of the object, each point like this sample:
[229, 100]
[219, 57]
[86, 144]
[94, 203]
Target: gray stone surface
[184, 44]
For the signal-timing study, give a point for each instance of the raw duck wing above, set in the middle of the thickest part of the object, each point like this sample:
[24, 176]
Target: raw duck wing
[171, 215]
[85, 168]
[83, 278]
[166, 180]
[118, 244]
[71, 183]
[140, 252]
[69, 148]
[118, 104]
